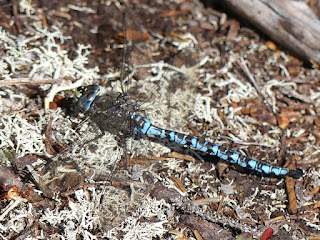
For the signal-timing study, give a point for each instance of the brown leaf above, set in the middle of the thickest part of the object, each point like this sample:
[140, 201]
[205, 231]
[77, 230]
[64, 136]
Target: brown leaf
[284, 120]
[271, 45]
[133, 35]
[234, 30]
[208, 230]
[173, 13]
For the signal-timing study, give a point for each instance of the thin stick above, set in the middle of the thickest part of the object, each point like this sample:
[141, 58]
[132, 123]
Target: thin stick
[18, 81]
[245, 69]
[16, 16]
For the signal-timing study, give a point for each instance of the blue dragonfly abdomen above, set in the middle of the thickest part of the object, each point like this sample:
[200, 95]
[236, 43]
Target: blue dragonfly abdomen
[145, 126]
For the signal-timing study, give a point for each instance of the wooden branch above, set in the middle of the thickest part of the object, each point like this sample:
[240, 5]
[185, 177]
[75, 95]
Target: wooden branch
[291, 23]
[18, 81]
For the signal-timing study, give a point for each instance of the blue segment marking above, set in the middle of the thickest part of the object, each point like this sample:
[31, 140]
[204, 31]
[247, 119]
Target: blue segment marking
[252, 164]
[234, 157]
[145, 127]
[283, 171]
[194, 142]
[215, 150]
[181, 141]
[203, 147]
[222, 155]
[171, 135]
[163, 133]
[242, 162]
[153, 131]
[266, 169]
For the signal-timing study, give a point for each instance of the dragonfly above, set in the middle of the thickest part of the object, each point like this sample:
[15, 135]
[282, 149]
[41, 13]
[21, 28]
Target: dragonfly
[118, 114]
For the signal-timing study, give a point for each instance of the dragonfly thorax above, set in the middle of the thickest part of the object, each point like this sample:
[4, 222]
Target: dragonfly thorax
[114, 112]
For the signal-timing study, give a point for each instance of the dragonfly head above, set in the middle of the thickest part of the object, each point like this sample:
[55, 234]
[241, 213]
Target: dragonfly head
[86, 96]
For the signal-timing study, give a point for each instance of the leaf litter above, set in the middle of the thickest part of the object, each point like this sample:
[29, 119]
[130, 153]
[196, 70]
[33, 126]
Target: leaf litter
[234, 90]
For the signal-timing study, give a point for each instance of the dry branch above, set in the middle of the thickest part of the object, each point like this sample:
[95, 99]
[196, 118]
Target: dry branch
[293, 24]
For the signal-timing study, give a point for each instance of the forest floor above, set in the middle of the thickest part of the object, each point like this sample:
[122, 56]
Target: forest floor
[194, 70]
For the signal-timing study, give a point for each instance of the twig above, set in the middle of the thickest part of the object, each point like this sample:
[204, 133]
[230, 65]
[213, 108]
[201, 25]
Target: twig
[16, 16]
[18, 81]
[290, 182]
[246, 143]
[11, 206]
[245, 69]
